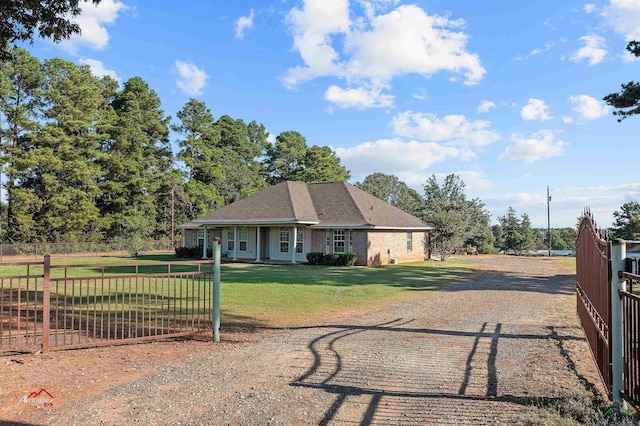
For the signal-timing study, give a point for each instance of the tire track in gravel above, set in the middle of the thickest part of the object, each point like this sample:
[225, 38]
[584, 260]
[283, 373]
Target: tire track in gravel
[480, 352]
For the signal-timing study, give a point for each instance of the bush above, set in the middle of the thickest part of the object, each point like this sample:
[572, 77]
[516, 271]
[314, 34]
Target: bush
[332, 259]
[189, 252]
[315, 258]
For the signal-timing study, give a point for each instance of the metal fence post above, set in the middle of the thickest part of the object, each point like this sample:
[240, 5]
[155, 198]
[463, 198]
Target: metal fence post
[216, 290]
[46, 303]
[618, 255]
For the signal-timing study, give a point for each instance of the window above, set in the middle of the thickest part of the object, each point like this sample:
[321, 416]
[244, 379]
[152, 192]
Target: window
[327, 248]
[200, 238]
[300, 241]
[230, 240]
[243, 237]
[339, 238]
[350, 241]
[284, 240]
[409, 241]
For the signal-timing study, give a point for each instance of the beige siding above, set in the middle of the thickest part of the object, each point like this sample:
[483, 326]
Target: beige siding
[383, 245]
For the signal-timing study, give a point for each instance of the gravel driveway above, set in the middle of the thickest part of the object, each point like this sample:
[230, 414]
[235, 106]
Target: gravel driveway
[485, 351]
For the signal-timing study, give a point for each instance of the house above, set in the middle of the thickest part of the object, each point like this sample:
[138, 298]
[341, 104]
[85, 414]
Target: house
[286, 221]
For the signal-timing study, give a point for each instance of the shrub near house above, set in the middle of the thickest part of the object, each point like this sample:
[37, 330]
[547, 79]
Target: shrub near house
[332, 259]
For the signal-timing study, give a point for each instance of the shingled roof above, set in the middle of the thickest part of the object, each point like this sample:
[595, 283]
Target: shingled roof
[319, 205]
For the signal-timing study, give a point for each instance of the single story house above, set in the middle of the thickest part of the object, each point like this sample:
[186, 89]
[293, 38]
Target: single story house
[286, 221]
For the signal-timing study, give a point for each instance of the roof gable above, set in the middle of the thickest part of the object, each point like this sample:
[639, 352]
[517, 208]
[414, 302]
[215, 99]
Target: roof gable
[325, 205]
[287, 202]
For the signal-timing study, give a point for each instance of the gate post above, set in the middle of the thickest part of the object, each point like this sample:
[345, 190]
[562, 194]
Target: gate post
[216, 290]
[46, 303]
[618, 255]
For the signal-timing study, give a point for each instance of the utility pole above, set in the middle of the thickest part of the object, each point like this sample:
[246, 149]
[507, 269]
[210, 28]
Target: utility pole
[548, 220]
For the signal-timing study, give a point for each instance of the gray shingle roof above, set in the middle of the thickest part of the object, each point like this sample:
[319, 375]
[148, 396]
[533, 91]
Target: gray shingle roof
[323, 205]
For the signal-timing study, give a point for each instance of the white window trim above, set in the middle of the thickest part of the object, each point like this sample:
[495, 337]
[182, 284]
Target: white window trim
[409, 241]
[284, 232]
[245, 240]
[230, 240]
[336, 232]
[300, 241]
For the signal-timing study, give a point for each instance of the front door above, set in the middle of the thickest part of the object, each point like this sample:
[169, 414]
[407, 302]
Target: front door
[264, 242]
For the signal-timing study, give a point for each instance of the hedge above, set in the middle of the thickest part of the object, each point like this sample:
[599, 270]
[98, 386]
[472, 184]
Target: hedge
[192, 252]
[332, 259]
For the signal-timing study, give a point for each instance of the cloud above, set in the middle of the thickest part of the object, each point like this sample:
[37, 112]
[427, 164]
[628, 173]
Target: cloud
[92, 22]
[271, 138]
[589, 8]
[376, 48]
[589, 108]
[360, 98]
[547, 47]
[485, 106]
[98, 69]
[593, 50]
[244, 23]
[472, 179]
[535, 109]
[454, 130]
[420, 94]
[191, 79]
[567, 120]
[392, 156]
[624, 17]
[537, 146]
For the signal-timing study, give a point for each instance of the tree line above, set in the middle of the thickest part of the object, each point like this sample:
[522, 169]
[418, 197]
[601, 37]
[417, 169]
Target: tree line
[86, 160]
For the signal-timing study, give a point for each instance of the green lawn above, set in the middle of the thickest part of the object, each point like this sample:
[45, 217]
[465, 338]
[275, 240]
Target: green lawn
[259, 294]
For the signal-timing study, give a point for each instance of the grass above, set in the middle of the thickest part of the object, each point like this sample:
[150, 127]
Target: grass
[281, 294]
[260, 294]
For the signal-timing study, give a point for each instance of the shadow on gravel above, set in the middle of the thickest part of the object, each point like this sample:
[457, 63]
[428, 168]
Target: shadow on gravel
[500, 280]
[391, 387]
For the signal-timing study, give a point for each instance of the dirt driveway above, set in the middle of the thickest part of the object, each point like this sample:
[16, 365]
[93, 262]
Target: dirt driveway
[486, 351]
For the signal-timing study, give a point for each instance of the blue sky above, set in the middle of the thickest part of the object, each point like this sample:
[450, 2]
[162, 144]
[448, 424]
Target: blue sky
[507, 94]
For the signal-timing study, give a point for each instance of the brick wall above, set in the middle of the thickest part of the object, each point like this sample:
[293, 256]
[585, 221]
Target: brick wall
[379, 242]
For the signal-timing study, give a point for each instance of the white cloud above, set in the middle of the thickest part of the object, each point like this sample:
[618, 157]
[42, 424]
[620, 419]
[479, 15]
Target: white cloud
[312, 28]
[485, 106]
[589, 8]
[627, 56]
[271, 138]
[393, 156]
[589, 108]
[191, 79]
[420, 94]
[360, 98]
[624, 17]
[537, 146]
[535, 109]
[244, 23]
[547, 47]
[98, 69]
[376, 48]
[455, 130]
[567, 120]
[472, 179]
[371, 7]
[92, 22]
[593, 50]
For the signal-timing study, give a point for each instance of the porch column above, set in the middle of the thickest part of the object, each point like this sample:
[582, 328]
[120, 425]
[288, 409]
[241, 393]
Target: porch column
[235, 243]
[294, 238]
[257, 244]
[204, 245]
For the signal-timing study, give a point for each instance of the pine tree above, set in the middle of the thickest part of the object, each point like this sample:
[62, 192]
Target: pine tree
[21, 80]
[61, 167]
[136, 161]
[202, 155]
